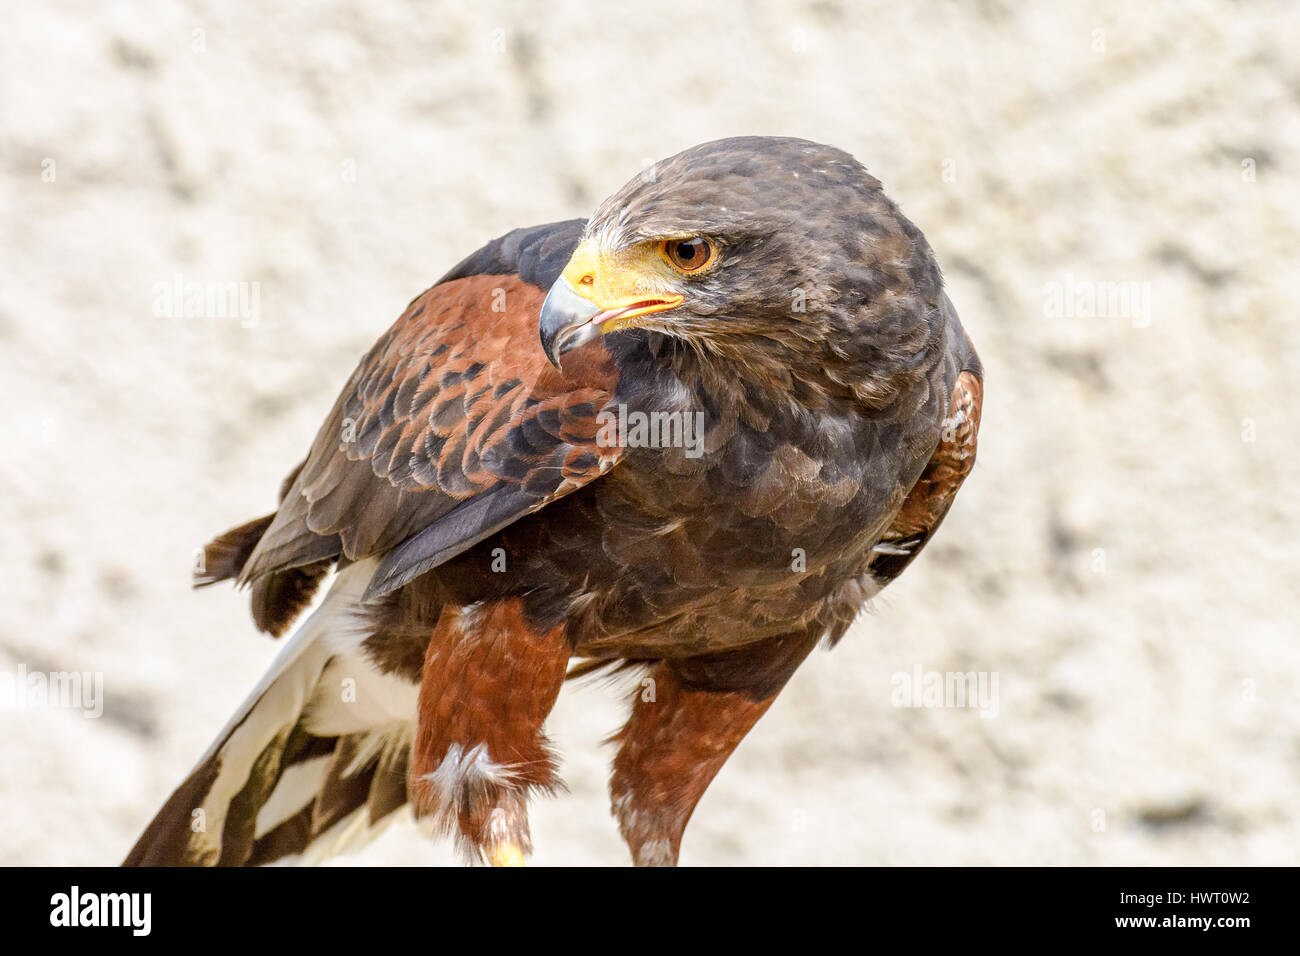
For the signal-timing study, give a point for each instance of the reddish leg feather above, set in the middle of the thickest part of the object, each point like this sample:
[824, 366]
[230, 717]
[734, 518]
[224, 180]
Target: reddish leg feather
[682, 729]
[489, 681]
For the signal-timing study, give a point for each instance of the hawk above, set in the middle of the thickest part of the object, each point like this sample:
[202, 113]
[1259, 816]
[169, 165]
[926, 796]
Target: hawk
[690, 436]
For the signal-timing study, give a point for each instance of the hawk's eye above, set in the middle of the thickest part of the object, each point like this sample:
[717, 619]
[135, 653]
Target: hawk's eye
[689, 255]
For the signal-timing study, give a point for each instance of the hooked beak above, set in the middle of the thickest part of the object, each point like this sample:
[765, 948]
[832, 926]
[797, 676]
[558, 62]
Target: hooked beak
[602, 300]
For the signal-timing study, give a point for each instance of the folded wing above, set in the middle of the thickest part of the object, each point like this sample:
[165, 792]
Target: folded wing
[453, 426]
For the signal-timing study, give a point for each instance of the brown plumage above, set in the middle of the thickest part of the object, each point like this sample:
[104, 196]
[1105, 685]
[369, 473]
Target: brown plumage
[691, 435]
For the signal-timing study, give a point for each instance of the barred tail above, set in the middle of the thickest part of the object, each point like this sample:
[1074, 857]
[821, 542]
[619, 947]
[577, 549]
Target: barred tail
[313, 763]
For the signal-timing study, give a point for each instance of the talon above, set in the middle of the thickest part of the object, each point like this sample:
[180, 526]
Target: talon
[506, 854]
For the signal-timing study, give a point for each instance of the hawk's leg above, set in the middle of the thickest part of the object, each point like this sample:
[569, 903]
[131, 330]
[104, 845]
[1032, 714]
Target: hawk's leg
[687, 718]
[489, 681]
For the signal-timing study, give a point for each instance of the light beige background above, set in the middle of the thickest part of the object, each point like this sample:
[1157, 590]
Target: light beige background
[1124, 556]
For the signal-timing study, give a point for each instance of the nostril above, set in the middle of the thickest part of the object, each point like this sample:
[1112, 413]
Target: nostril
[588, 279]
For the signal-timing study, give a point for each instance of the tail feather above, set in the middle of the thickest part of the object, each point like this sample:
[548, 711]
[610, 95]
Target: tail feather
[351, 808]
[295, 773]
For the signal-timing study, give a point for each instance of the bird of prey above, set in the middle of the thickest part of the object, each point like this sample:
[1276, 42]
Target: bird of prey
[688, 437]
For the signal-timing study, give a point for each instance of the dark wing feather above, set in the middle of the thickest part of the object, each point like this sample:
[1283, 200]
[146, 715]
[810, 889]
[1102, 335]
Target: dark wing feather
[224, 556]
[453, 426]
[277, 599]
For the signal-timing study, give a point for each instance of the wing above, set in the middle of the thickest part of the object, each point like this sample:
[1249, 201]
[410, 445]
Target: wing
[453, 426]
[932, 495]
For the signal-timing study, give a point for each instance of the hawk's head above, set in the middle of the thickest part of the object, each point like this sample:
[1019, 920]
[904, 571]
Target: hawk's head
[757, 248]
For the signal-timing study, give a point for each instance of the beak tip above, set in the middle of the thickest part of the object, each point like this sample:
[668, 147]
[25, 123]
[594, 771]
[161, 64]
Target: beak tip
[563, 314]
